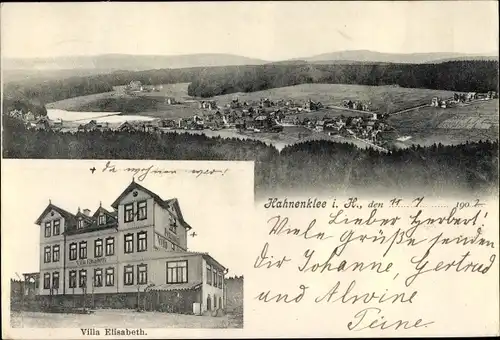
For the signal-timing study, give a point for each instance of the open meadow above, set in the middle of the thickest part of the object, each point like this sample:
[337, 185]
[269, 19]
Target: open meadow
[428, 125]
[384, 99]
[153, 104]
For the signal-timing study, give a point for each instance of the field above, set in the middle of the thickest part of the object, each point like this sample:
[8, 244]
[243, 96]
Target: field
[428, 125]
[384, 99]
[121, 318]
[152, 104]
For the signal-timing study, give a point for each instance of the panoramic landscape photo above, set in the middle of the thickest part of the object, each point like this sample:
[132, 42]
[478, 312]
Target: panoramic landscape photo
[340, 103]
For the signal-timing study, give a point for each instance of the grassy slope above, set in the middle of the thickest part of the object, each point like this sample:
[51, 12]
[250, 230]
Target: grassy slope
[148, 103]
[423, 124]
[383, 98]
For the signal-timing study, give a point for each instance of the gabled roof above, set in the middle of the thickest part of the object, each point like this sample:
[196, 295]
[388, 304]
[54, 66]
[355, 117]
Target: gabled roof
[174, 203]
[133, 186]
[67, 215]
[102, 210]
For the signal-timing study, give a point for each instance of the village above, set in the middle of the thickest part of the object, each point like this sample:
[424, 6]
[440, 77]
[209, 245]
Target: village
[251, 118]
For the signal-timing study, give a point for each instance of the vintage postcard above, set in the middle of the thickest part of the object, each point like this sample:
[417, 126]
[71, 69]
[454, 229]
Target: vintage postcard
[250, 169]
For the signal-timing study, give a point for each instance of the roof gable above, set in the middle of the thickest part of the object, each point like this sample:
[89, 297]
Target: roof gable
[100, 211]
[166, 204]
[174, 203]
[135, 186]
[69, 217]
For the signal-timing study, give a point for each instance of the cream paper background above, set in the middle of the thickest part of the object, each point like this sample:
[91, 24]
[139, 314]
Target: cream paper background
[460, 304]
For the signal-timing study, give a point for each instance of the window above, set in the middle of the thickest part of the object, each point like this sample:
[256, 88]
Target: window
[56, 228]
[46, 256]
[55, 280]
[110, 246]
[72, 279]
[128, 275]
[72, 251]
[173, 226]
[55, 253]
[142, 274]
[102, 219]
[80, 224]
[47, 229]
[83, 250]
[142, 242]
[98, 248]
[209, 274]
[110, 276]
[214, 277]
[129, 212]
[221, 279]
[83, 279]
[142, 210]
[46, 281]
[98, 277]
[177, 272]
[129, 243]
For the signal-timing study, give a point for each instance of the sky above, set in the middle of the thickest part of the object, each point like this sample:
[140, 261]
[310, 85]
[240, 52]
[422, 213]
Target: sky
[270, 31]
[208, 203]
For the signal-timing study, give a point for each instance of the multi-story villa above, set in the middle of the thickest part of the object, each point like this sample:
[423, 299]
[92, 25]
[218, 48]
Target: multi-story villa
[135, 255]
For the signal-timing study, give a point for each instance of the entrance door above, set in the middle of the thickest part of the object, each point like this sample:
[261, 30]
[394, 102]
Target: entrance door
[209, 302]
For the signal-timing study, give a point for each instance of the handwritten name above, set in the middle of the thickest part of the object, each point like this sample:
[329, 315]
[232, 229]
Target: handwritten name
[368, 319]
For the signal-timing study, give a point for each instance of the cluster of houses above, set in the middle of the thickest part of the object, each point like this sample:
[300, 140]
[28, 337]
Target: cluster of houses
[35, 121]
[264, 115]
[137, 86]
[127, 126]
[460, 98]
[355, 105]
[368, 128]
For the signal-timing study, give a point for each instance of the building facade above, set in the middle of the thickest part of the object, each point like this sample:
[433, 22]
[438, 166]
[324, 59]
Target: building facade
[137, 252]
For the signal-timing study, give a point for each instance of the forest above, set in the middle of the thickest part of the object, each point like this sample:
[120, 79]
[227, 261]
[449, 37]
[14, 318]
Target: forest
[334, 167]
[463, 76]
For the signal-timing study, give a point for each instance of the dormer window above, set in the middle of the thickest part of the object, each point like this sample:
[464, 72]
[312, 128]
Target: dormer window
[102, 219]
[80, 224]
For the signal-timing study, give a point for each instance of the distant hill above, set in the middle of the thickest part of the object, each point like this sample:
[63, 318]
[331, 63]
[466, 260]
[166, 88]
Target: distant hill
[112, 62]
[378, 57]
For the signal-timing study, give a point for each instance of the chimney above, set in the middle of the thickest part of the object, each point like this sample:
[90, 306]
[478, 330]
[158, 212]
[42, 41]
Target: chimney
[86, 212]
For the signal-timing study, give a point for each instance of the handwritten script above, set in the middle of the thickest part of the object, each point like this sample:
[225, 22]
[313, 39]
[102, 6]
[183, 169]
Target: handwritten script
[141, 173]
[372, 254]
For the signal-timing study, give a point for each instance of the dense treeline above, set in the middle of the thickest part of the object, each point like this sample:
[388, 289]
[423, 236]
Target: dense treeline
[463, 76]
[311, 165]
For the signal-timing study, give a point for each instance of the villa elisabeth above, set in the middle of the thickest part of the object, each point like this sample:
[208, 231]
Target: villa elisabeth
[135, 255]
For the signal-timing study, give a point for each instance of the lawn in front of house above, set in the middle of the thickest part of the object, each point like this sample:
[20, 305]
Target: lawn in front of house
[108, 318]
